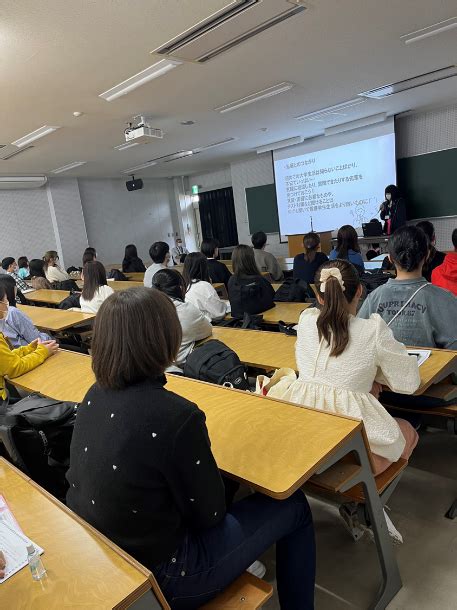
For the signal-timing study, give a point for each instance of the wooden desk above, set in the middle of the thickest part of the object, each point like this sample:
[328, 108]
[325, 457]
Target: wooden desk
[84, 569]
[269, 350]
[269, 444]
[51, 297]
[136, 276]
[55, 320]
[287, 312]
[233, 420]
[124, 285]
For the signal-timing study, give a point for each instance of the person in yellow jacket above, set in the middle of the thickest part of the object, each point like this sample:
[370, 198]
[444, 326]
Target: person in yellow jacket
[15, 362]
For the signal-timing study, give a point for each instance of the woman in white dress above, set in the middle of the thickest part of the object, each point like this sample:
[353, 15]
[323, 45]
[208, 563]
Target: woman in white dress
[343, 360]
[51, 268]
[200, 292]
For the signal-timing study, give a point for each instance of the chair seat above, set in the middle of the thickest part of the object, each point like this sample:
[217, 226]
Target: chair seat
[246, 593]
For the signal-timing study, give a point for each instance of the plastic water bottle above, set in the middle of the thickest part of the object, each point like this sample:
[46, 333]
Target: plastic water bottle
[35, 563]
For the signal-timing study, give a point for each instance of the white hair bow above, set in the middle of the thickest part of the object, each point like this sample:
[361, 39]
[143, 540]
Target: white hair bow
[327, 274]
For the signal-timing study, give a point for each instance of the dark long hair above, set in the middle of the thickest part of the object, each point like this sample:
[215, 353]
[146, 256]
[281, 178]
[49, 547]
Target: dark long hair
[243, 261]
[171, 283]
[22, 262]
[36, 268]
[137, 335]
[195, 268]
[311, 242]
[130, 252]
[347, 240]
[94, 277]
[8, 283]
[394, 191]
[333, 320]
[408, 247]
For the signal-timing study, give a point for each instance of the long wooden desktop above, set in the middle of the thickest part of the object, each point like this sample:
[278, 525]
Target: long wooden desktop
[268, 350]
[84, 568]
[50, 297]
[55, 320]
[271, 445]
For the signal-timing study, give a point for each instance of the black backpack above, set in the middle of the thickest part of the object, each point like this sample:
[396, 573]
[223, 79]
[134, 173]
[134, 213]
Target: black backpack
[250, 321]
[213, 361]
[292, 291]
[374, 279]
[117, 276]
[69, 285]
[36, 433]
[71, 301]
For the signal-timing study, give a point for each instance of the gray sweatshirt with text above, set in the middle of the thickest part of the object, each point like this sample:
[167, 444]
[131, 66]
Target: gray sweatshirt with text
[429, 320]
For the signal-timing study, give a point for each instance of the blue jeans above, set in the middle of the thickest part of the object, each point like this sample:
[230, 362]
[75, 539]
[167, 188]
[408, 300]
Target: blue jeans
[209, 560]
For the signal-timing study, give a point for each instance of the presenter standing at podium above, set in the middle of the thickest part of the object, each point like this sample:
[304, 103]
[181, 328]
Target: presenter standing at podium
[393, 210]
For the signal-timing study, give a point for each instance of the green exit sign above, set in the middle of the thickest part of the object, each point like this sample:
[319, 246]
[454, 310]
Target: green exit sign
[195, 189]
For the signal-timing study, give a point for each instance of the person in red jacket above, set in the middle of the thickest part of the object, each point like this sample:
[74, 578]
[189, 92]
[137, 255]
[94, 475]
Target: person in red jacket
[445, 275]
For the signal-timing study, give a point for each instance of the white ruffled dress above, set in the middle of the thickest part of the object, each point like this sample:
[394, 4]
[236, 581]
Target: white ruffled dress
[342, 384]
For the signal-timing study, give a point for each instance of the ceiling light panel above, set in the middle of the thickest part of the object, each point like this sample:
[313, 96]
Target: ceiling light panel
[34, 135]
[138, 80]
[66, 168]
[137, 167]
[430, 30]
[126, 145]
[16, 152]
[214, 145]
[337, 110]
[280, 144]
[411, 83]
[256, 97]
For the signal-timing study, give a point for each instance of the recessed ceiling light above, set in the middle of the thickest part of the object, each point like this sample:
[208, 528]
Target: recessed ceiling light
[142, 166]
[34, 135]
[338, 109]
[187, 122]
[430, 30]
[214, 145]
[255, 97]
[137, 80]
[66, 168]
[16, 152]
[280, 144]
[411, 83]
[77, 114]
[126, 145]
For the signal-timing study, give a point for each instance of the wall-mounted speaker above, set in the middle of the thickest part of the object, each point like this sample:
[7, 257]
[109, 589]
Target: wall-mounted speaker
[134, 185]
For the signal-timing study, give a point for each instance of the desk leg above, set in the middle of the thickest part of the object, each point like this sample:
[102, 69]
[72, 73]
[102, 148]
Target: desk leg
[391, 580]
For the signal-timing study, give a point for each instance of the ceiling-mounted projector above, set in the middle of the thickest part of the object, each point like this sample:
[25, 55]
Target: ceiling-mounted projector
[140, 131]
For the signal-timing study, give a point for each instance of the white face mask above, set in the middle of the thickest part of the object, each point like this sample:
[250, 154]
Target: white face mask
[388, 196]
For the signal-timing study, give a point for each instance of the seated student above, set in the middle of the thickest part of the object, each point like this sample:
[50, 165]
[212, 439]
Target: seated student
[160, 255]
[418, 313]
[17, 326]
[95, 289]
[342, 360]
[37, 276]
[10, 266]
[90, 254]
[199, 290]
[248, 291]
[195, 326]
[23, 267]
[265, 261]
[307, 263]
[16, 362]
[445, 275]
[52, 270]
[218, 272]
[435, 257]
[347, 247]
[142, 471]
[132, 263]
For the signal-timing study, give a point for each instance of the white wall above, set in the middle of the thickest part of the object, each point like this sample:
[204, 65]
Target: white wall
[48, 218]
[115, 217]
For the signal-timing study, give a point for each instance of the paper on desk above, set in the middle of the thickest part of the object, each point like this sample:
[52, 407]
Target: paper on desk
[13, 542]
[421, 354]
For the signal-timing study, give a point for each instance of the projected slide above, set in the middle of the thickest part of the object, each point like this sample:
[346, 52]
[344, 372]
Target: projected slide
[333, 187]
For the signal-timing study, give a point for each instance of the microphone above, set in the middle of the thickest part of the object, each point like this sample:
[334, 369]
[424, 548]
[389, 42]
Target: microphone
[312, 229]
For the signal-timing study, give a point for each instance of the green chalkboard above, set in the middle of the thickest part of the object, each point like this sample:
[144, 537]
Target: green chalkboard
[262, 209]
[429, 183]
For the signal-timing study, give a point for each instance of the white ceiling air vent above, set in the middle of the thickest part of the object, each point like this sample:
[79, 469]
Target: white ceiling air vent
[22, 182]
[238, 21]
